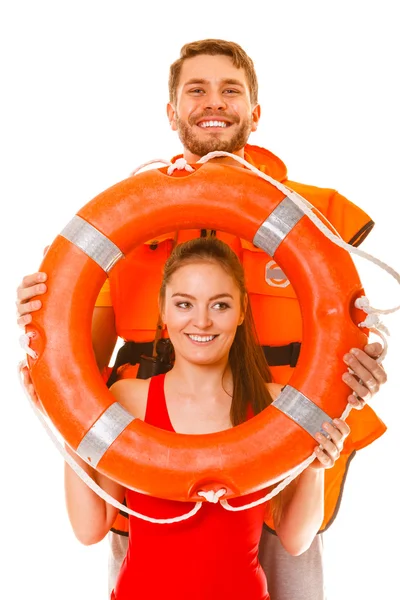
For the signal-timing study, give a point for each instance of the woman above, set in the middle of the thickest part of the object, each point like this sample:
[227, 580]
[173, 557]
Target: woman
[219, 379]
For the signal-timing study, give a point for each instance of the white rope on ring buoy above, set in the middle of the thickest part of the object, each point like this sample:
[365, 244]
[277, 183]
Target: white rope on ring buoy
[372, 322]
[90, 482]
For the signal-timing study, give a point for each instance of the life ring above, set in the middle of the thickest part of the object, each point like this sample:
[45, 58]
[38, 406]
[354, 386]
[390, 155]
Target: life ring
[245, 458]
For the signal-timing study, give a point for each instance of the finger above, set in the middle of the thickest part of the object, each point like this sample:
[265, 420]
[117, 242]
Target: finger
[27, 293]
[338, 430]
[372, 374]
[24, 320]
[333, 444]
[28, 307]
[326, 461]
[375, 369]
[355, 401]
[357, 386]
[374, 350]
[28, 385]
[328, 446]
[32, 279]
[38, 277]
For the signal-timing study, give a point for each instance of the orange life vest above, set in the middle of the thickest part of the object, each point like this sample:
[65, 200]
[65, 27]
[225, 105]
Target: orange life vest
[133, 292]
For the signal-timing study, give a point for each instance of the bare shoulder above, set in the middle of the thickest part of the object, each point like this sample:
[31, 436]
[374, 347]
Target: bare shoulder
[132, 394]
[275, 389]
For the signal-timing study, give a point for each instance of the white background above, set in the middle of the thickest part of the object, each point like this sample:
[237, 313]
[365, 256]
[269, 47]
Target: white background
[84, 88]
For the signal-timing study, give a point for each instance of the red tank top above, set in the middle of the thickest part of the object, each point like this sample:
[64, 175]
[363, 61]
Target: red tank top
[212, 555]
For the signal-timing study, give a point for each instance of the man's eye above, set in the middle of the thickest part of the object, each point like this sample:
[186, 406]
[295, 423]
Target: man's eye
[196, 91]
[230, 91]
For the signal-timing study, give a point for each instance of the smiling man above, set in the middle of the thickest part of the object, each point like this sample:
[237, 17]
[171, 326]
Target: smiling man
[213, 105]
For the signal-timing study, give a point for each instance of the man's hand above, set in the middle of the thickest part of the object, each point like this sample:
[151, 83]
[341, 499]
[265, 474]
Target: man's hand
[31, 286]
[366, 375]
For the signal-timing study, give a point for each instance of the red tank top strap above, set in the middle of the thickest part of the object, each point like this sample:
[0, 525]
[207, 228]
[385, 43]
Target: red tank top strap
[156, 409]
[249, 412]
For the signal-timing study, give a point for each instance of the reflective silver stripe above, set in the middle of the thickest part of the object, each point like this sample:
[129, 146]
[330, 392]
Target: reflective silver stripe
[103, 433]
[95, 244]
[279, 223]
[301, 410]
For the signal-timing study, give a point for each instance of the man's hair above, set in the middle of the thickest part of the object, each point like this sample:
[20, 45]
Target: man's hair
[213, 48]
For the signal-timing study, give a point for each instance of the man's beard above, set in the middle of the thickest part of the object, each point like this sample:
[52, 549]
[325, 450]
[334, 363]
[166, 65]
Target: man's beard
[213, 143]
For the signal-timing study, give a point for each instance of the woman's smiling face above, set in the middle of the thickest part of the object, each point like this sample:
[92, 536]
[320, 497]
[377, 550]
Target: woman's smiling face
[202, 310]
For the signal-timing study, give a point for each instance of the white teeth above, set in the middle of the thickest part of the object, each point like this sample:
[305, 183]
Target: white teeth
[201, 338]
[213, 124]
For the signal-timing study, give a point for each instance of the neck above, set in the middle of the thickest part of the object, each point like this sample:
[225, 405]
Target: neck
[198, 380]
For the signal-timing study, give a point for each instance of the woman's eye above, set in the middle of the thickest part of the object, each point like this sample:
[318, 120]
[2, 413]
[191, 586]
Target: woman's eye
[183, 304]
[221, 305]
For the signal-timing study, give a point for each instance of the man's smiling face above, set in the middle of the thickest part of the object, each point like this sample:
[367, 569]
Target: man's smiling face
[213, 109]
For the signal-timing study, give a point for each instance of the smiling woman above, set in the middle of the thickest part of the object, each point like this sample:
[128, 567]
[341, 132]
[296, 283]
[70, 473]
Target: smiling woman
[219, 379]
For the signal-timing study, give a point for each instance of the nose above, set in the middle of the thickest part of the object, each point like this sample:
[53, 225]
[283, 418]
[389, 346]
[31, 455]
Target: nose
[214, 100]
[202, 318]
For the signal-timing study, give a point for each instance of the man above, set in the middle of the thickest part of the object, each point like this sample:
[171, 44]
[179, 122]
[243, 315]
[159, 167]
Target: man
[214, 106]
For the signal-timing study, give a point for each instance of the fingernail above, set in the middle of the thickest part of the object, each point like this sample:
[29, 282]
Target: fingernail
[355, 351]
[42, 277]
[347, 358]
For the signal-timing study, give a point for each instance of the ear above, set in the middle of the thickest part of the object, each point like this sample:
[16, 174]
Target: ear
[171, 113]
[255, 114]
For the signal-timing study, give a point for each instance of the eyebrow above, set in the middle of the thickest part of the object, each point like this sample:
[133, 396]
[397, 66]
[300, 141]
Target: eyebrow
[193, 298]
[206, 81]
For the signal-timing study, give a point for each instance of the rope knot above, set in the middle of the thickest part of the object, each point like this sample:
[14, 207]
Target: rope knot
[180, 164]
[373, 322]
[363, 304]
[212, 496]
[25, 341]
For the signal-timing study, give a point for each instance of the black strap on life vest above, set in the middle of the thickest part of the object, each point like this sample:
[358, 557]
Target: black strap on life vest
[278, 356]
[131, 352]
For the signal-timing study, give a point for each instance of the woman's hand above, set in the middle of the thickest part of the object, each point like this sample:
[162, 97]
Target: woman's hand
[330, 447]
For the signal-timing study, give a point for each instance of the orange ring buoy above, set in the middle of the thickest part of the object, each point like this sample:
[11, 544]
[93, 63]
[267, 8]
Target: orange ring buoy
[73, 393]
